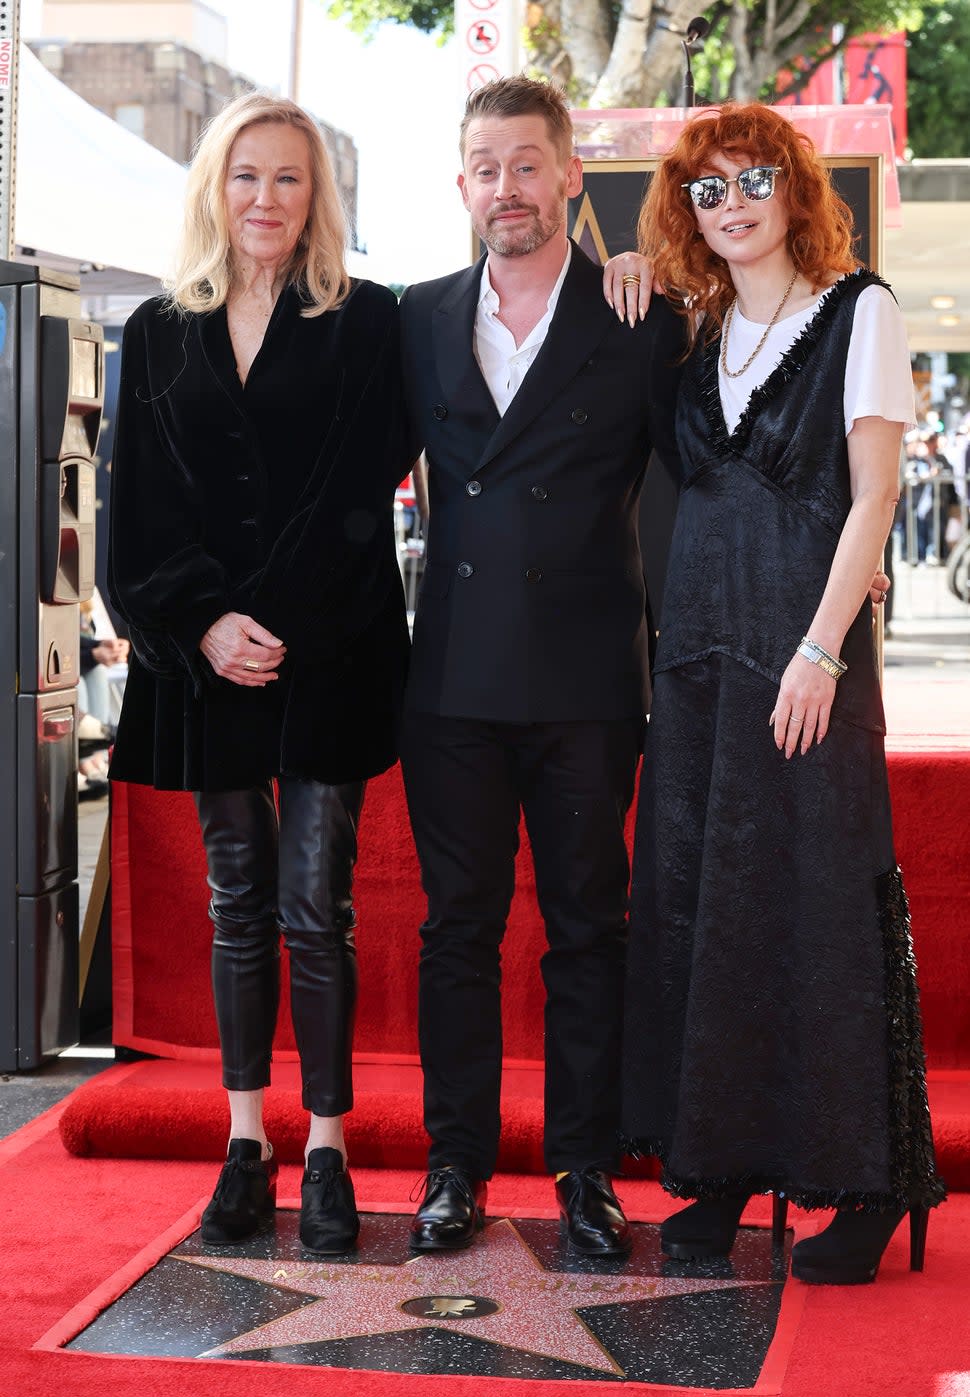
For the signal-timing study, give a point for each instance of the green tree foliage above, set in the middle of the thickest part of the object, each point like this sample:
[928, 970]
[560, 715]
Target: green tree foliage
[938, 85]
[364, 16]
[753, 41]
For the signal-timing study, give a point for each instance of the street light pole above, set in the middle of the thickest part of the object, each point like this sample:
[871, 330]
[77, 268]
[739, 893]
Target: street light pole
[296, 41]
[9, 69]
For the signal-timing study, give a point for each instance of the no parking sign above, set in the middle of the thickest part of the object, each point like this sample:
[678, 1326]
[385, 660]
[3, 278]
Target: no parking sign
[488, 41]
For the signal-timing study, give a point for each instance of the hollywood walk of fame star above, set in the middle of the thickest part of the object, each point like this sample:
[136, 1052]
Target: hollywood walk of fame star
[536, 1308]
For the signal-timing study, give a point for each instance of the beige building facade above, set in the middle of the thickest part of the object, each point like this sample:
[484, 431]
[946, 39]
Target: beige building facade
[159, 69]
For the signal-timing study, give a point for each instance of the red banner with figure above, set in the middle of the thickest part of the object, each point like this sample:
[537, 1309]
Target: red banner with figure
[875, 71]
[820, 90]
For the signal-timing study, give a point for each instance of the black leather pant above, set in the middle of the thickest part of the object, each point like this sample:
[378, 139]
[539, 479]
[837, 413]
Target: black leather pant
[290, 874]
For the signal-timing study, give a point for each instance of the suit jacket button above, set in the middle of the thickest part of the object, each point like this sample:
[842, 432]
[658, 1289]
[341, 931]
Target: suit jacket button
[539, 492]
[473, 488]
[465, 569]
[579, 415]
[439, 412]
[249, 523]
[534, 575]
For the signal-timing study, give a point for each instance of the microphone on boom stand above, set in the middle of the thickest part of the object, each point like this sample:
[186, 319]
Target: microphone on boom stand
[696, 31]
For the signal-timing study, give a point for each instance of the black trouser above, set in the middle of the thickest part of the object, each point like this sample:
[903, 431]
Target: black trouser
[466, 782]
[294, 875]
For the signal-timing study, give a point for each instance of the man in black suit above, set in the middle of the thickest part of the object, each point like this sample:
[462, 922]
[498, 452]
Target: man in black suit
[538, 408]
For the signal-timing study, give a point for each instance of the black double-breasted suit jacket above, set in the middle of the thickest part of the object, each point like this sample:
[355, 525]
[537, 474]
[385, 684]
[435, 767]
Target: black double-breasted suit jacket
[532, 605]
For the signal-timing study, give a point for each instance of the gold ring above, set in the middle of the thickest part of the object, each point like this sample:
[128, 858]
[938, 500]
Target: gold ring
[630, 279]
[252, 665]
[796, 721]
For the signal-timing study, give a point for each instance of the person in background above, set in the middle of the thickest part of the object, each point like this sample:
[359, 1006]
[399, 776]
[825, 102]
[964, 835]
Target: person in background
[772, 1031]
[943, 493]
[96, 729]
[260, 440]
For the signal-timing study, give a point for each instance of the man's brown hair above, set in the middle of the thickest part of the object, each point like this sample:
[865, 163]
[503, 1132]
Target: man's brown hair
[518, 96]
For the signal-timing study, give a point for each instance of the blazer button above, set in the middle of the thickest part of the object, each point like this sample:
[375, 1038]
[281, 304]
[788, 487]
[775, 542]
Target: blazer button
[439, 411]
[249, 523]
[473, 488]
[539, 492]
[465, 569]
[579, 415]
[534, 575]
[243, 476]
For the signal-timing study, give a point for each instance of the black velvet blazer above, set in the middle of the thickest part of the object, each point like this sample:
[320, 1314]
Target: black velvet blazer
[275, 500]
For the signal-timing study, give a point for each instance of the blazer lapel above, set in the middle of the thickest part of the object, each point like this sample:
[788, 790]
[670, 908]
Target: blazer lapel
[217, 352]
[581, 319]
[453, 337]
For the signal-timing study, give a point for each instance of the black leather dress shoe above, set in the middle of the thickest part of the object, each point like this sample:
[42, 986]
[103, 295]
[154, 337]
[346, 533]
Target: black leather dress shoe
[451, 1212]
[329, 1224]
[591, 1214]
[244, 1198]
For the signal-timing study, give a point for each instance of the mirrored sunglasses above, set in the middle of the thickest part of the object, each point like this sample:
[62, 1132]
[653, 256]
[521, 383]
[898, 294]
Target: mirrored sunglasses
[710, 191]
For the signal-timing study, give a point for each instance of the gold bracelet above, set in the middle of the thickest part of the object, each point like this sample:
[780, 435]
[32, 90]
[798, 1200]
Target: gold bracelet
[811, 650]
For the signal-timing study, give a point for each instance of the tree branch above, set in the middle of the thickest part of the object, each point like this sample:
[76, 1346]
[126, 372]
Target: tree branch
[621, 84]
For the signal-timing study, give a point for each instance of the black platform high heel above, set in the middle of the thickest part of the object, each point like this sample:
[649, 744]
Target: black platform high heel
[708, 1227]
[850, 1249]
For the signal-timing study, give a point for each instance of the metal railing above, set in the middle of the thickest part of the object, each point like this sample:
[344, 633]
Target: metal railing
[928, 511]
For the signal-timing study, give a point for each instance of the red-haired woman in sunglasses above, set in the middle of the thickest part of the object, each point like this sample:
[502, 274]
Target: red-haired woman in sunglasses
[773, 1036]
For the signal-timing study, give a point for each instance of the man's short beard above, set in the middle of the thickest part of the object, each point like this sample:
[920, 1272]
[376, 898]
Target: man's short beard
[522, 241]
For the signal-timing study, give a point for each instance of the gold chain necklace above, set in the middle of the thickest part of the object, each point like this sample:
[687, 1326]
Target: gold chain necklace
[761, 343]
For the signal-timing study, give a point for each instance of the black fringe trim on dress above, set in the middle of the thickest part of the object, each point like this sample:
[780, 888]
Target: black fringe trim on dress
[912, 1158]
[912, 1162]
[791, 362]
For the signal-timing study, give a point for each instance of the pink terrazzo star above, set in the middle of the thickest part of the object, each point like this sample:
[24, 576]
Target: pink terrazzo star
[537, 1308]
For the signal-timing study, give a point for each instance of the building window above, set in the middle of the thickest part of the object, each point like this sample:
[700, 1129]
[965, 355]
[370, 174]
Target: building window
[131, 115]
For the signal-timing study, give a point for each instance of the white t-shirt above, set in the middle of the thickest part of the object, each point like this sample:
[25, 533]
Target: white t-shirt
[878, 378]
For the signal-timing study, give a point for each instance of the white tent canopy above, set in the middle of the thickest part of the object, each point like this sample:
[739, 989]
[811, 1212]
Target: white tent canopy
[91, 193]
[87, 189]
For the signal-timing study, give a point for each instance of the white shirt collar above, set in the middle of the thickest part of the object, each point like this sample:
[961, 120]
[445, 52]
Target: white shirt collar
[488, 299]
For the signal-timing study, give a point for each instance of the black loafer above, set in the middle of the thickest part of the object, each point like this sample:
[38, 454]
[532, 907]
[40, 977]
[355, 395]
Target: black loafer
[244, 1198]
[591, 1214]
[329, 1224]
[451, 1212]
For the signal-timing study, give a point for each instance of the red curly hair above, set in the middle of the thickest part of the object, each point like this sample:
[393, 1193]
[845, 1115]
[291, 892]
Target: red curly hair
[699, 282]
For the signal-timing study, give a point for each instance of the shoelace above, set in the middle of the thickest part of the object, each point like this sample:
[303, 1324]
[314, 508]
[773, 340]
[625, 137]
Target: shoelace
[435, 1177]
[234, 1167]
[327, 1177]
[598, 1181]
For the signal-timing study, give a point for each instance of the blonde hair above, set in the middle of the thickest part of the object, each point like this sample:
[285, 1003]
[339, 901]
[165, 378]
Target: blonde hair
[203, 270]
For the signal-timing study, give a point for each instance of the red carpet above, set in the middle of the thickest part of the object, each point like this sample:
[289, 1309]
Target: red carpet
[175, 1110]
[69, 1225]
[163, 1003]
[162, 934]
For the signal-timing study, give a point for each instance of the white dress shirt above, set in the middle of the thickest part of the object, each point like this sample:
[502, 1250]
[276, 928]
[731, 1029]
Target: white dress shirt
[503, 365]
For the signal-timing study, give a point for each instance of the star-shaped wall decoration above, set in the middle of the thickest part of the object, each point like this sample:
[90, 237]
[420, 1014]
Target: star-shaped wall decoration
[517, 1302]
